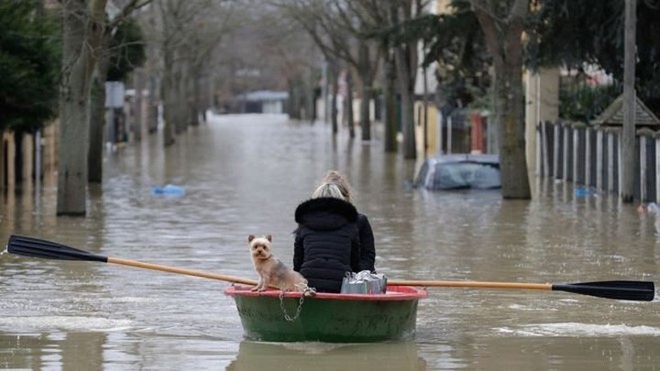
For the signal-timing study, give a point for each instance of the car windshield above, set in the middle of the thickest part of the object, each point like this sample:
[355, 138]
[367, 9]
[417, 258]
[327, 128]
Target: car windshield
[457, 175]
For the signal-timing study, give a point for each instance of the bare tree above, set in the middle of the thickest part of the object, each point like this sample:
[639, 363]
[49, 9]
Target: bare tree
[82, 31]
[339, 29]
[628, 136]
[358, 17]
[503, 24]
[97, 113]
[187, 34]
[376, 16]
[284, 56]
[406, 59]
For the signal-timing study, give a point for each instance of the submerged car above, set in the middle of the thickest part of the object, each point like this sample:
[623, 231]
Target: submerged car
[465, 171]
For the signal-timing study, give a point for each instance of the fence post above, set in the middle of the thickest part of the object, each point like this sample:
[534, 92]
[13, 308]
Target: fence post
[449, 134]
[564, 172]
[657, 170]
[599, 160]
[555, 153]
[642, 168]
[587, 157]
[539, 148]
[619, 167]
[576, 157]
[544, 136]
[610, 162]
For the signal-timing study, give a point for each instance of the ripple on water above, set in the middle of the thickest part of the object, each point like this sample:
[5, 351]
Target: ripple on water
[579, 329]
[65, 323]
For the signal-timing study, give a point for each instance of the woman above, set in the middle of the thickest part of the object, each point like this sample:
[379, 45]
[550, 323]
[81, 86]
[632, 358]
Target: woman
[327, 243]
[367, 248]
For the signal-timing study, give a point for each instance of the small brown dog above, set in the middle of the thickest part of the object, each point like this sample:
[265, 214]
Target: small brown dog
[271, 271]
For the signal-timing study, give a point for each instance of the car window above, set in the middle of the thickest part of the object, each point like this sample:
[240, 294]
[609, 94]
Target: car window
[449, 176]
[460, 175]
[486, 177]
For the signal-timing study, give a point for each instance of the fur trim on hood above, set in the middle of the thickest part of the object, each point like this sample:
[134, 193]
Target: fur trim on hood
[325, 207]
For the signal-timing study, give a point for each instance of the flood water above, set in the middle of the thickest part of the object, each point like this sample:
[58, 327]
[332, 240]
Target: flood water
[245, 175]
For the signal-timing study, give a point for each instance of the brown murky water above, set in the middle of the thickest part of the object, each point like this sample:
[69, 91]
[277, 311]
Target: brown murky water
[245, 175]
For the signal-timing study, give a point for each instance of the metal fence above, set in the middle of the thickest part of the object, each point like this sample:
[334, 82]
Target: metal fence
[591, 157]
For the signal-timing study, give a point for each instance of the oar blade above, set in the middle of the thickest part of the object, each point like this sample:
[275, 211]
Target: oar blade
[621, 290]
[34, 247]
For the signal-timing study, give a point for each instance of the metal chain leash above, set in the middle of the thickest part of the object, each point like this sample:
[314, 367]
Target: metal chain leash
[308, 291]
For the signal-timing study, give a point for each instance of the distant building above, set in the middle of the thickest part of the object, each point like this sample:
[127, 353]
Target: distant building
[263, 101]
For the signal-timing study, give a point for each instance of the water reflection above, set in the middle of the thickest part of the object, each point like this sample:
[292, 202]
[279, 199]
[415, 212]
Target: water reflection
[319, 356]
[45, 351]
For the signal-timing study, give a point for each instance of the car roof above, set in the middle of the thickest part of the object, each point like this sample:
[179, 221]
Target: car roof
[465, 157]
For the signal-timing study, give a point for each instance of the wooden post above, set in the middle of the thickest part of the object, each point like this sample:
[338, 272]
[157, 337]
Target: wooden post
[627, 178]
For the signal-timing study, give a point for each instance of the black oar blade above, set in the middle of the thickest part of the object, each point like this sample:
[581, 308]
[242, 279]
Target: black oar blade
[622, 290]
[28, 246]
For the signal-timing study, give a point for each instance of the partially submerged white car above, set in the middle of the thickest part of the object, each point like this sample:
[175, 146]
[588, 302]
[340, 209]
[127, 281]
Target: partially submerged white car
[459, 171]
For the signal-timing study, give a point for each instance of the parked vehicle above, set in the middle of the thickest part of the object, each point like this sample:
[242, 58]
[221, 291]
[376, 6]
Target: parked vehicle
[464, 171]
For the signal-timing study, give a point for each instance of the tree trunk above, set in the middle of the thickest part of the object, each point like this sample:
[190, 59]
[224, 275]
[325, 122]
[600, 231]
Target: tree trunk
[181, 100]
[425, 115]
[628, 143]
[294, 98]
[195, 108]
[408, 123]
[505, 46]
[405, 57]
[509, 119]
[81, 32]
[406, 91]
[97, 116]
[19, 157]
[350, 120]
[96, 126]
[136, 105]
[365, 91]
[168, 89]
[334, 76]
[3, 168]
[389, 97]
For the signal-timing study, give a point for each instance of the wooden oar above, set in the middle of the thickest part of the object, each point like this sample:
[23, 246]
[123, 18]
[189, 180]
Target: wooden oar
[621, 290]
[28, 246]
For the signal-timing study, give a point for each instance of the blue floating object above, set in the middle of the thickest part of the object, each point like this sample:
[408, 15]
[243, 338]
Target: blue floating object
[583, 192]
[169, 190]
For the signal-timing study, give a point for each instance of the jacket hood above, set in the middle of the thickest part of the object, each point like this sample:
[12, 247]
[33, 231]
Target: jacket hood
[325, 213]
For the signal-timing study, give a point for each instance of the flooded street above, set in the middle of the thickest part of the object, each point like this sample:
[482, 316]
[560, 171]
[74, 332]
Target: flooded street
[245, 175]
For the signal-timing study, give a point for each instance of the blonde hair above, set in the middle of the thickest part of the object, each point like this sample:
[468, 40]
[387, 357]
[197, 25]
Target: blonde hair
[328, 190]
[334, 177]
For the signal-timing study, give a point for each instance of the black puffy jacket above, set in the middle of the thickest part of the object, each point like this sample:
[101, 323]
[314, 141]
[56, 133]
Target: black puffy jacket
[327, 242]
[367, 248]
